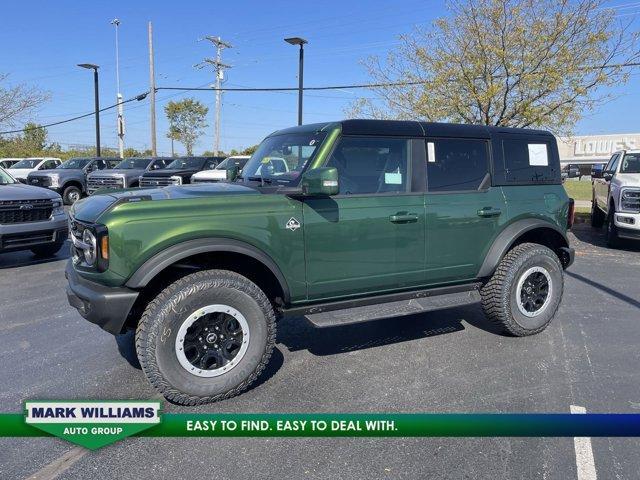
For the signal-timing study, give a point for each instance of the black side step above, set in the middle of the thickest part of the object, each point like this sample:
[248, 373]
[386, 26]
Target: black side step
[386, 306]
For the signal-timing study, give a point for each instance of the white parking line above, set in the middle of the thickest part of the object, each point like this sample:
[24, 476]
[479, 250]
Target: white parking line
[584, 452]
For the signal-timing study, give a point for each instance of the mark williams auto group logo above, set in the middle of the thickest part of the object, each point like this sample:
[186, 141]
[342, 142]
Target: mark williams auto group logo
[92, 424]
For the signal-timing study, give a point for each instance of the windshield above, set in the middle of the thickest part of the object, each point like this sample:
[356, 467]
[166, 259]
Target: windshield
[75, 163]
[281, 158]
[27, 163]
[232, 162]
[180, 163]
[5, 178]
[134, 163]
[630, 163]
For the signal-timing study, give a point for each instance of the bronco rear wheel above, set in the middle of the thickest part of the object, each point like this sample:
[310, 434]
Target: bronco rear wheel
[524, 293]
[206, 337]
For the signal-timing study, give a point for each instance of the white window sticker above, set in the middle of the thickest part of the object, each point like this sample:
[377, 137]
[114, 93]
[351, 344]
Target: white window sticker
[431, 152]
[538, 154]
[393, 178]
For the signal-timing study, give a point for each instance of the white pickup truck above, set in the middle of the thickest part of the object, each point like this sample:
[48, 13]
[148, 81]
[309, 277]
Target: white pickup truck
[616, 197]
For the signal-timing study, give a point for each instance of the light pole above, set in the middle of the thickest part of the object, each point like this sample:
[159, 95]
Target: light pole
[301, 42]
[91, 66]
[120, 119]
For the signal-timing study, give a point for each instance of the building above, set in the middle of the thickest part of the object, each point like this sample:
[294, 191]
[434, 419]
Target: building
[591, 149]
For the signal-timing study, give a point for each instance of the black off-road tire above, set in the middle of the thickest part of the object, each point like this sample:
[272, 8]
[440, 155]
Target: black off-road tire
[611, 233]
[597, 215]
[71, 194]
[499, 294]
[45, 251]
[161, 320]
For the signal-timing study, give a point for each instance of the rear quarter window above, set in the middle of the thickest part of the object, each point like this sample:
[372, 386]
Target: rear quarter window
[530, 161]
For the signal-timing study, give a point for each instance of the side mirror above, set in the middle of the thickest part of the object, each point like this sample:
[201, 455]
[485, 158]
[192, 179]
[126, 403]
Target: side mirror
[232, 173]
[320, 182]
[607, 176]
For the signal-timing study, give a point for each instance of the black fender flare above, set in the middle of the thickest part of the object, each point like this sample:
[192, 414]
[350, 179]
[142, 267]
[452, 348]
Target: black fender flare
[161, 260]
[507, 238]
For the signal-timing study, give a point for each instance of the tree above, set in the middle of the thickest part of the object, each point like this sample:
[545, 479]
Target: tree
[187, 119]
[34, 137]
[516, 63]
[250, 150]
[18, 101]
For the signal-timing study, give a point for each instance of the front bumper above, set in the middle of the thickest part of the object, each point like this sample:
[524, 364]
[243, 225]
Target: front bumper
[107, 307]
[22, 236]
[629, 222]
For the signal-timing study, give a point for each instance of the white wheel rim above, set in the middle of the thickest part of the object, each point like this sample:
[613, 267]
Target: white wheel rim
[195, 316]
[519, 291]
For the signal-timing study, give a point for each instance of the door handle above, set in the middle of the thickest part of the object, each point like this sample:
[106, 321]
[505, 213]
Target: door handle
[489, 212]
[403, 218]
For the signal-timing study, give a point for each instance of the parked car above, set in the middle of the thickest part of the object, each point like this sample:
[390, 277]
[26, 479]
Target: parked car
[219, 173]
[125, 174]
[23, 168]
[570, 171]
[70, 178]
[8, 162]
[179, 171]
[616, 197]
[31, 218]
[596, 170]
[423, 215]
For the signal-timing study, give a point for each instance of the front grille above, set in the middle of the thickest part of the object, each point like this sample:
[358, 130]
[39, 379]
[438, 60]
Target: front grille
[39, 181]
[157, 181]
[17, 240]
[630, 200]
[96, 183]
[12, 211]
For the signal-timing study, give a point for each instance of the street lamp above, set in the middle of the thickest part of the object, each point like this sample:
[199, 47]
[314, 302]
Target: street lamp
[301, 42]
[91, 66]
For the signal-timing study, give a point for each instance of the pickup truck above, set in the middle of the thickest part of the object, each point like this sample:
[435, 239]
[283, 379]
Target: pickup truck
[125, 174]
[70, 178]
[616, 197]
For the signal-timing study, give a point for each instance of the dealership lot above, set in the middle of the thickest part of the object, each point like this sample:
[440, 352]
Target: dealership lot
[448, 361]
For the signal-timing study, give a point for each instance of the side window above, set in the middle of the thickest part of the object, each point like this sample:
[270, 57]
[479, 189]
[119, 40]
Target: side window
[456, 164]
[609, 163]
[210, 164]
[612, 166]
[372, 165]
[528, 161]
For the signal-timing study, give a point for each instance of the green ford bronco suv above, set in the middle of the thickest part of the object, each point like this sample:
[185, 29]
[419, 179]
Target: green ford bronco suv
[412, 215]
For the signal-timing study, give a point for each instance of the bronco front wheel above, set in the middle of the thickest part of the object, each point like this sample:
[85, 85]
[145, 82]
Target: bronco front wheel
[206, 337]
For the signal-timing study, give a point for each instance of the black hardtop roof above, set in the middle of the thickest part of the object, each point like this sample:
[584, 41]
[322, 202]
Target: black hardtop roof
[411, 128]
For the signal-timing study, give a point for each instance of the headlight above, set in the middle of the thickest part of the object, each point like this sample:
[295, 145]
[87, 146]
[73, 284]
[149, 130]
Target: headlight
[91, 247]
[55, 180]
[630, 200]
[176, 180]
[58, 209]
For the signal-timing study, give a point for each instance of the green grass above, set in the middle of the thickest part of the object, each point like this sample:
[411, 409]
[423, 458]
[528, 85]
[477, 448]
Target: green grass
[578, 190]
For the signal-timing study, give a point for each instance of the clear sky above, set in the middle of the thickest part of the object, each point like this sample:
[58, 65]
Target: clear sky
[43, 41]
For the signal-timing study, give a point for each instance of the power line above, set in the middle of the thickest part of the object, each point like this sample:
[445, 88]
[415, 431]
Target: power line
[142, 96]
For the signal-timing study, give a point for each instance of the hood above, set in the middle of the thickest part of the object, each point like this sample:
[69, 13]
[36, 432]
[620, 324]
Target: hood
[20, 191]
[20, 172]
[211, 174]
[90, 208]
[629, 179]
[55, 171]
[168, 173]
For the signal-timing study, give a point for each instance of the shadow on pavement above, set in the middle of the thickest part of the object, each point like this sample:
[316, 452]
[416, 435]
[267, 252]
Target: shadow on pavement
[25, 258]
[595, 236]
[300, 334]
[610, 291]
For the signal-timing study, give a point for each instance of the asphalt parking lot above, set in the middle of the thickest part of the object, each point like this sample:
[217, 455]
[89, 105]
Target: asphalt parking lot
[447, 361]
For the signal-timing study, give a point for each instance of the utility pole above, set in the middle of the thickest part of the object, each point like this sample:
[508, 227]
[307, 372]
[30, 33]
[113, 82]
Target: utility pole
[120, 119]
[152, 92]
[96, 95]
[219, 70]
